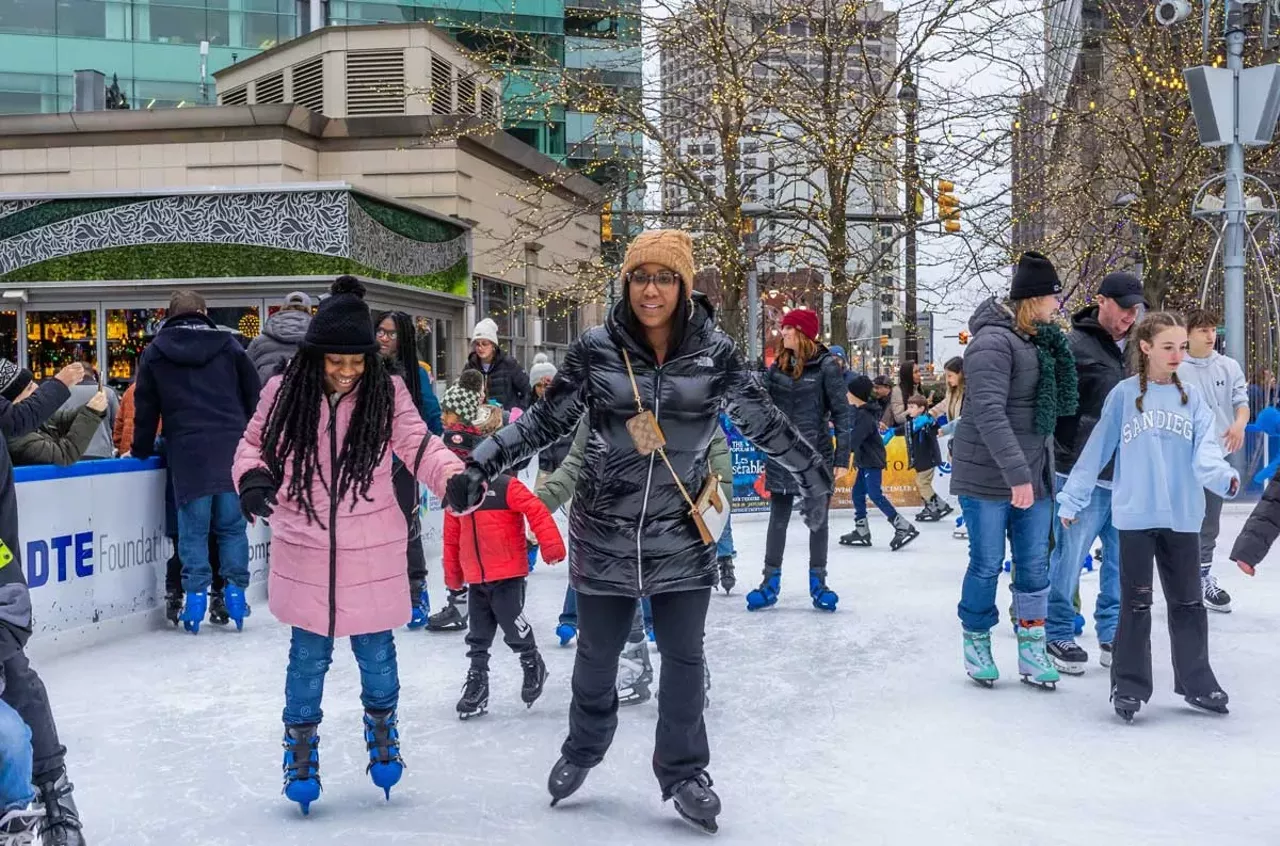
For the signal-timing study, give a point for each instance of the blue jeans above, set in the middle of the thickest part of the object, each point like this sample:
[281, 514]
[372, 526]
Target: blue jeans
[724, 546]
[220, 515]
[990, 522]
[868, 485]
[1070, 546]
[15, 760]
[569, 613]
[309, 657]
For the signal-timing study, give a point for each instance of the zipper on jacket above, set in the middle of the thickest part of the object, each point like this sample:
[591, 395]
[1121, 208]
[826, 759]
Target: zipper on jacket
[475, 538]
[333, 518]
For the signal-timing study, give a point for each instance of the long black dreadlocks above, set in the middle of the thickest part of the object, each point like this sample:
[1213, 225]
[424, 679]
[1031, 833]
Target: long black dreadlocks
[406, 360]
[293, 430]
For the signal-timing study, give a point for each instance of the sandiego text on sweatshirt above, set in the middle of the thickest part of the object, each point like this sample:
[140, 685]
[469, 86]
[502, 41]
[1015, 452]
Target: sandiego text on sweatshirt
[1221, 382]
[1165, 455]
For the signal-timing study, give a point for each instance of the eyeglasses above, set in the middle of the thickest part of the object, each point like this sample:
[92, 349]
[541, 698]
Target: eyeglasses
[389, 334]
[663, 279]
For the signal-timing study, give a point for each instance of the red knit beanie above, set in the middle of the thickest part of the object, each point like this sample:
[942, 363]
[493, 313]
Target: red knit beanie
[804, 320]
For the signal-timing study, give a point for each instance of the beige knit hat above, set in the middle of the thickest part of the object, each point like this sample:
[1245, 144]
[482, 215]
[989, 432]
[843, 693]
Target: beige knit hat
[671, 248]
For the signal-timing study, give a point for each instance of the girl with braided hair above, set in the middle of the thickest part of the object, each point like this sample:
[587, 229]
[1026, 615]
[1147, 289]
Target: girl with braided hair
[1166, 446]
[316, 460]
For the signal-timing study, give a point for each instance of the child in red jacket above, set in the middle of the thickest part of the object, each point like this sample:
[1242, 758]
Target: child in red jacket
[486, 550]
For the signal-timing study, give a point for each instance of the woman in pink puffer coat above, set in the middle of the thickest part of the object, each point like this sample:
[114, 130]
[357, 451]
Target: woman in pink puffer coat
[316, 461]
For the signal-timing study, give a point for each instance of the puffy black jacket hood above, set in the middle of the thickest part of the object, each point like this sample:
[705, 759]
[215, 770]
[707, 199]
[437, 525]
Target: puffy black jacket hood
[692, 317]
[192, 340]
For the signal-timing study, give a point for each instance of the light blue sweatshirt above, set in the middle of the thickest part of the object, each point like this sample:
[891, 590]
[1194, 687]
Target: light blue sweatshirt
[1165, 455]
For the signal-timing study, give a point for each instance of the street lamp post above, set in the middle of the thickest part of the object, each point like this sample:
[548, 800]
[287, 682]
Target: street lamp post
[909, 99]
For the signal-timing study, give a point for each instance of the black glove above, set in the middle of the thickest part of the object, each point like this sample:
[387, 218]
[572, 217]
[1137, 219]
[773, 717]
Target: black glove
[465, 490]
[257, 494]
[816, 488]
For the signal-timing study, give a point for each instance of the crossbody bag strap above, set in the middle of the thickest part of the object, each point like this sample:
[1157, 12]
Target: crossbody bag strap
[635, 389]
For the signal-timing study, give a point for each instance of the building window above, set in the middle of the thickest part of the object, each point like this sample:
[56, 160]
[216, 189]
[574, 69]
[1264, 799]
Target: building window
[559, 321]
[185, 21]
[81, 18]
[504, 305]
[36, 17]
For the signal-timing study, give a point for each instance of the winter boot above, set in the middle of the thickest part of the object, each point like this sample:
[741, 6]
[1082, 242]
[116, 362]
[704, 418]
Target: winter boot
[1068, 656]
[382, 738]
[453, 617]
[928, 514]
[961, 531]
[824, 598]
[697, 803]
[302, 765]
[860, 536]
[1033, 663]
[193, 612]
[18, 827]
[903, 534]
[218, 609]
[566, 632]
[535, 676]
[727, 578]
[235, 605]
[565, 779]
[61, 824]
[635, 674]
[767, 594]
[1215, 702]
[173, 605]
[978, 662]
[475, 695]
[421, 604]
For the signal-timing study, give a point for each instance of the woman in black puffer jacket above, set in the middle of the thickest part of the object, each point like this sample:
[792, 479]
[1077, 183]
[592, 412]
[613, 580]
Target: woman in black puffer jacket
[807, 385]
[631, 534]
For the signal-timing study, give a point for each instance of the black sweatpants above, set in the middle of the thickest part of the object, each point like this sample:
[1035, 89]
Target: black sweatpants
[25, 693]
[1177, 556]
[680, 748]
[495, 604]
[173, 568]
[406, 491]
[775, 544]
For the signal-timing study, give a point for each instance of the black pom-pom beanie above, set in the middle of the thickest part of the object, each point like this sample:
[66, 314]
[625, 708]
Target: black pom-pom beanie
[342, 323]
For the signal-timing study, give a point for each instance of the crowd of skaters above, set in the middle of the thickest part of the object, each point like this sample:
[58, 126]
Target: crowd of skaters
[1116, 431]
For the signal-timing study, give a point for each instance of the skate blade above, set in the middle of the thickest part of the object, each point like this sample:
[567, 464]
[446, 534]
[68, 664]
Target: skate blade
[1069, 668]
[987, 683]
[705, 826]
[471, 715]
[1039, 685]
[1126, 715]
[1221, 609]
[896, 547]
[1220, 710]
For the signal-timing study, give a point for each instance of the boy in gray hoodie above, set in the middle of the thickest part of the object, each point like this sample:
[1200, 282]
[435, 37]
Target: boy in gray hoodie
[1221, 381]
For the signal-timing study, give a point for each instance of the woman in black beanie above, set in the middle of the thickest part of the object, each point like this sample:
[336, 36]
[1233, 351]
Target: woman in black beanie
[1020, 377]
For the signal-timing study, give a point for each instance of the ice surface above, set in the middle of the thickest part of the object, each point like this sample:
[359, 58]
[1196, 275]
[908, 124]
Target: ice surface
[858, 727]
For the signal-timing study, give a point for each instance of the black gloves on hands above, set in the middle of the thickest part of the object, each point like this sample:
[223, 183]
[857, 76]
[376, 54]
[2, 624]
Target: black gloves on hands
[257, 494]
[465, 490]
[817, 486]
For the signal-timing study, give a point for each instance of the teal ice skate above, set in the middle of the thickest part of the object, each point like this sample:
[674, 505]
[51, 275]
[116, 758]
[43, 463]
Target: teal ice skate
[978, 662]
[1033, 662]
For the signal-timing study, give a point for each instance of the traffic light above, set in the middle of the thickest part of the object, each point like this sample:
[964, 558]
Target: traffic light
[884, 340]
[948, 206]
[606, 224]
[964, 338]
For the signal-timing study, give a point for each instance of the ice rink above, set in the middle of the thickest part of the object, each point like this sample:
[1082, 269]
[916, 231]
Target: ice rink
[858, 727]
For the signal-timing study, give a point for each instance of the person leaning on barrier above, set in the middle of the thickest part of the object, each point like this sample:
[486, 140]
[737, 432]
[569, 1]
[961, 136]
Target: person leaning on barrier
[64, 438]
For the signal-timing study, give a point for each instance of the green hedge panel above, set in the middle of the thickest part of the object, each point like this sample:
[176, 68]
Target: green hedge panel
[408, 224]
[55, 211]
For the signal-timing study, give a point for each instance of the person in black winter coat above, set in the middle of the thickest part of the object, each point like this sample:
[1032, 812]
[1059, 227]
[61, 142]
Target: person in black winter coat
[867, 447]
[199, 379]
[631, 533]
[807, 385]
[20, 686]
[1260, 530]
[504, 380]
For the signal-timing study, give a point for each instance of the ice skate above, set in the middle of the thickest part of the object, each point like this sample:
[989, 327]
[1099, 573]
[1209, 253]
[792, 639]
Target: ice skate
[1068, 656]
[1215, 702]
[978, 662]
[1215, 598]
[961, 531]
[453, 617]
[194, 611]
[421, 604]
[61, 824]
[18, 827]
[533, 556]
[1104, 654]
[928, 514]
[218, 609]
[234, 605]
[535, 676]
[565, 779]
[1126, 706]
[904, 533]
[697, 803]
[382, 738]
[475, 695]
[635, 674]
[566, 632]
[1033, 661]
[860, 536]
[302, 765]
[727, 578]
[824, 598]
[941, 506]
[767, 594]
[173, 606]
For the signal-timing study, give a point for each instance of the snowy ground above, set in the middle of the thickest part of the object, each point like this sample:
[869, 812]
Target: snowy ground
[854, 727]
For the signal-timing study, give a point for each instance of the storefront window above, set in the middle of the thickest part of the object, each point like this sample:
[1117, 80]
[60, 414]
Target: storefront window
[128, 333]
[58, 338]
[444, 332]
[243, 319]
[9, 335]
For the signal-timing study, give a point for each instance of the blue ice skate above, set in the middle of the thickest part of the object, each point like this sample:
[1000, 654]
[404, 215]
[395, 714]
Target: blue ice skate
[383, 739]
[302, 765]
[767, 594]
[1079, 625]
[237, 606]
[824, 598]
[533, 556]
[566, 632]
[194, 610]
[1087, 564]
[421, 605]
